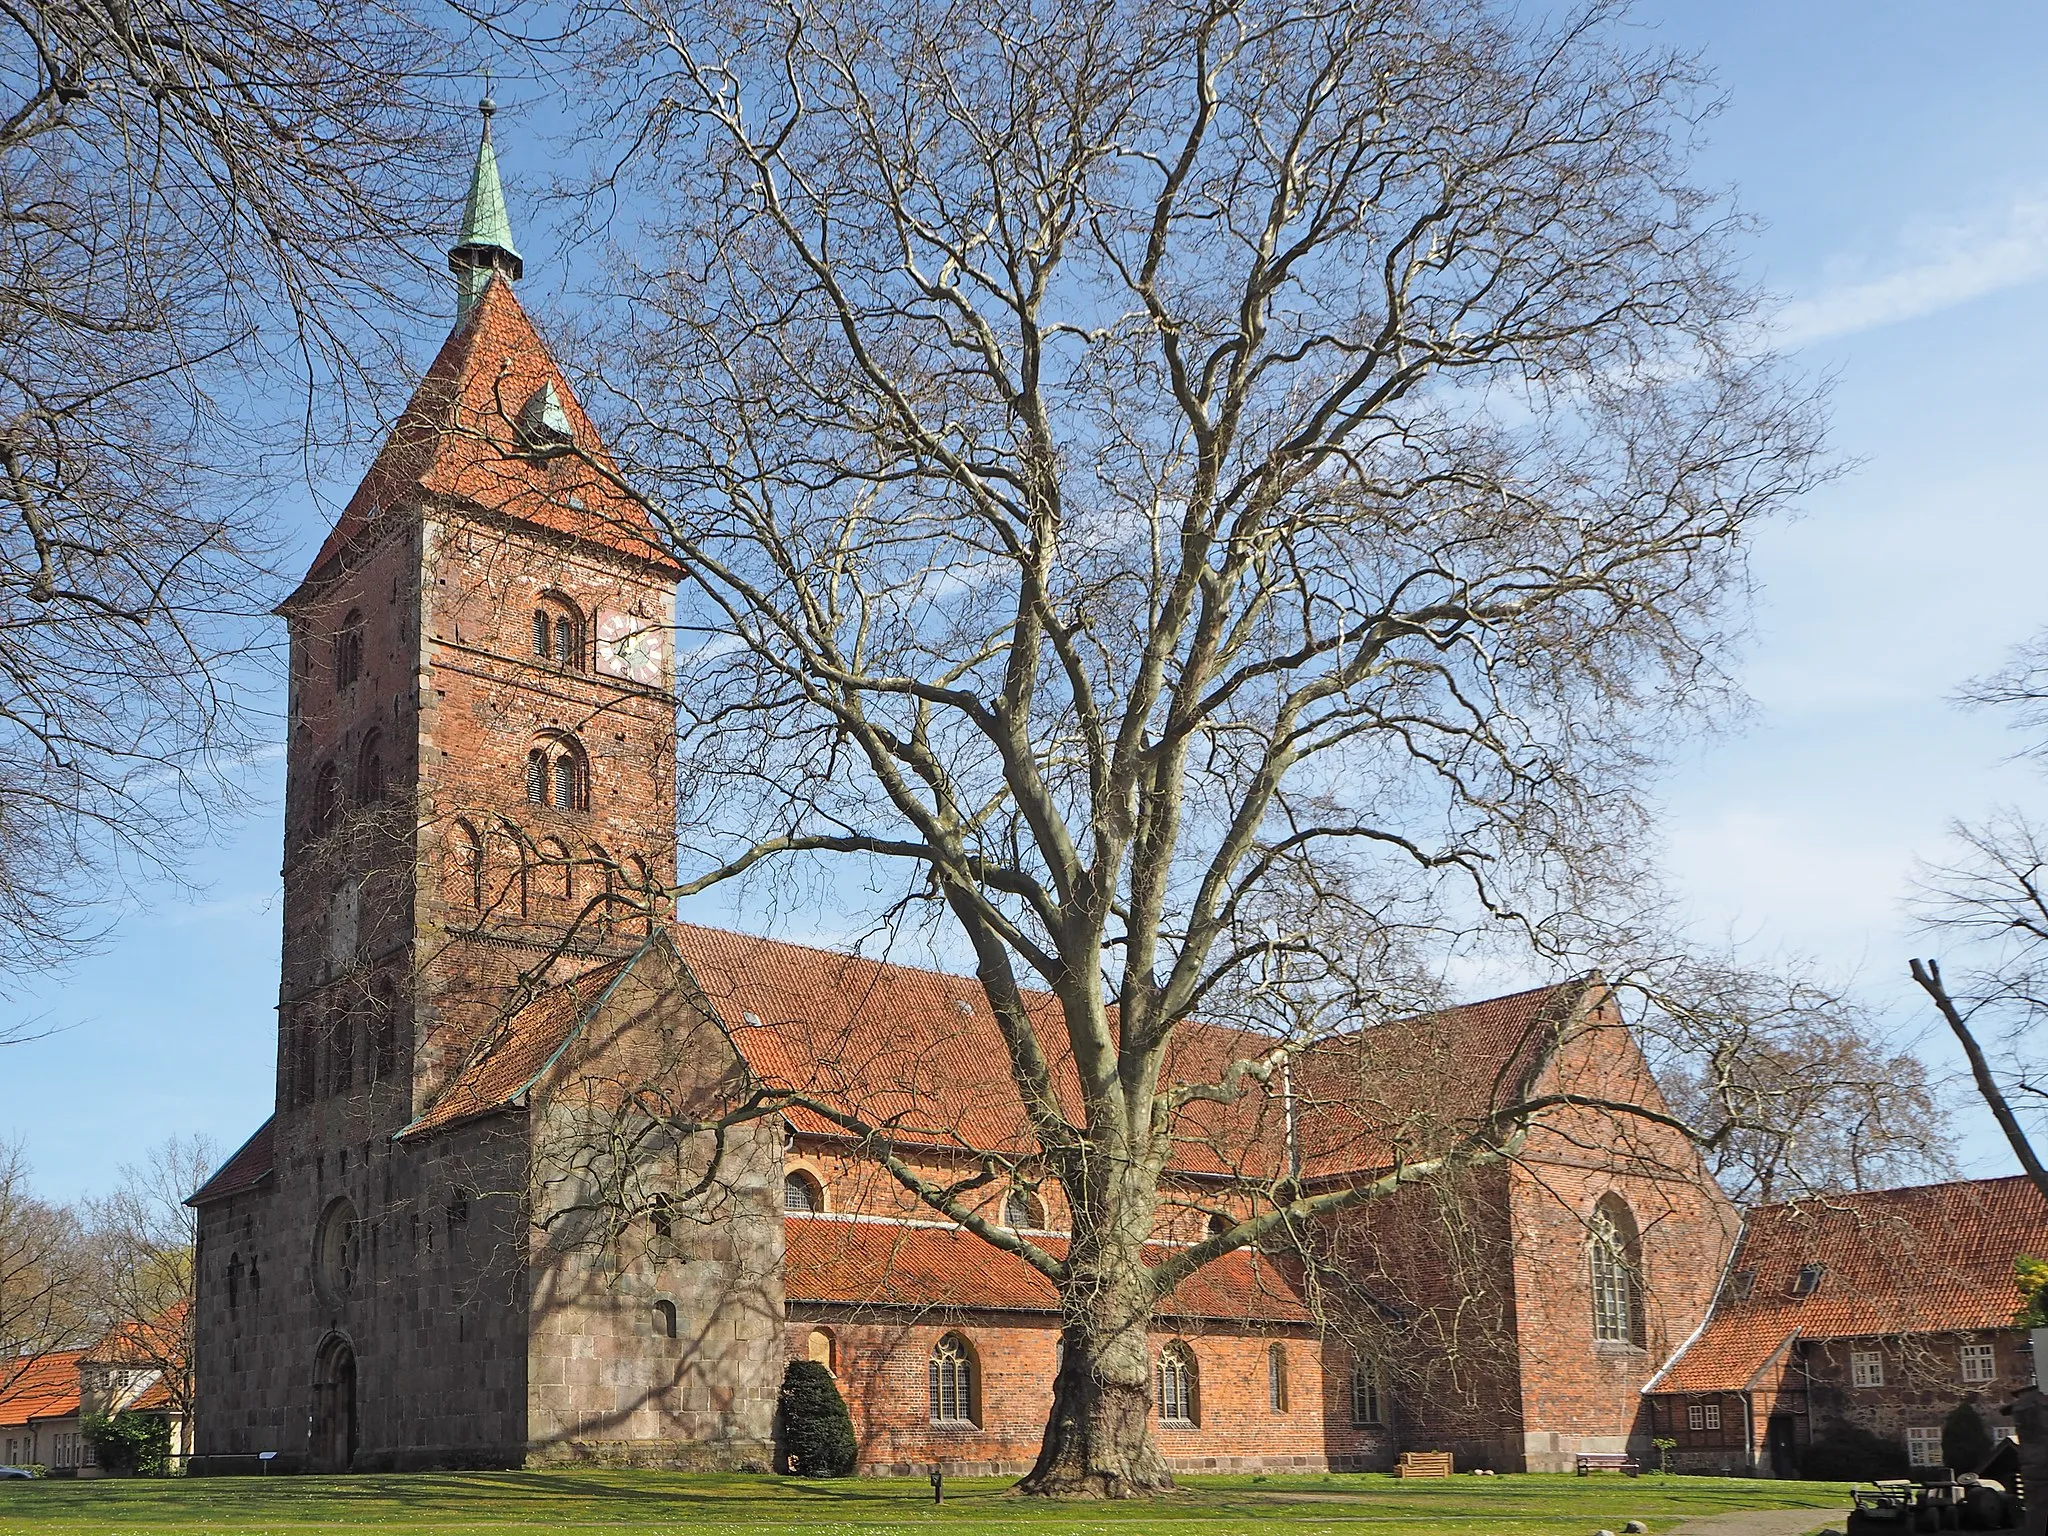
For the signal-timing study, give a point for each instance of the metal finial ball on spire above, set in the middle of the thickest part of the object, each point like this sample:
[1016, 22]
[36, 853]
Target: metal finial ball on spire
[487, 106]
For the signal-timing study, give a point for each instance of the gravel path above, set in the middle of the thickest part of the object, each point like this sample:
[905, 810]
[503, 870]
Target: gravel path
[1760, 1522]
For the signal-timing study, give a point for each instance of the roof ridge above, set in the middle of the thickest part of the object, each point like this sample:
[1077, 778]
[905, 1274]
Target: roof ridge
[1845, 1197]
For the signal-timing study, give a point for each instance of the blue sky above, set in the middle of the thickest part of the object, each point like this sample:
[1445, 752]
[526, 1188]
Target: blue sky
[1893, 153]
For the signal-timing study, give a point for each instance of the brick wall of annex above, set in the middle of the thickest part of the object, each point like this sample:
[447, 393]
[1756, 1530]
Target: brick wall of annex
[882, 1363]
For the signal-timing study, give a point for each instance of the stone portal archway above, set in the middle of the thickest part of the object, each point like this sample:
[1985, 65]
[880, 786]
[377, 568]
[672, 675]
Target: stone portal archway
[332, 1444]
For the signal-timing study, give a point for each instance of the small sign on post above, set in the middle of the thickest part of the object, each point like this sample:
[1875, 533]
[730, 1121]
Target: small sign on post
[938, 1486]
[263, 1461]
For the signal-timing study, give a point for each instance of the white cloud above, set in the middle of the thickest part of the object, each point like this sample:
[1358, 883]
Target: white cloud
[1938, 266]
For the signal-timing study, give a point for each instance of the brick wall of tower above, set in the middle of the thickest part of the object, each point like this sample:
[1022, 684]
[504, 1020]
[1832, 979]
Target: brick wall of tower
[490, 700]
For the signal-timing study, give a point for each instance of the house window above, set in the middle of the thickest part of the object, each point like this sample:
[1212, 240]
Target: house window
[1616, 1258]
[1276, 1378]
[1713, 1412]
[1807, 1281]
[802, 1193]
[665, 1319]
[1177, 1384]
[1980, 1363]
[1923, 1447]
[1740, 1284]
[950, 1375]
[1866, 1368]
[1368, 1405]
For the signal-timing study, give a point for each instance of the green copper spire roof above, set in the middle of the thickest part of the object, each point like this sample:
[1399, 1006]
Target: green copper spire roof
[486, 244]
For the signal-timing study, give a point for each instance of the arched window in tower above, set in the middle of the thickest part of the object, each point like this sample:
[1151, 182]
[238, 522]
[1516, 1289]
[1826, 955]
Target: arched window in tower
[950, 1377]
[370, 771]
[558, 773]
[1615, 1253]
[1177, 1404]
[348, 650]
[568, 783]
[558, 632]
[537, 776]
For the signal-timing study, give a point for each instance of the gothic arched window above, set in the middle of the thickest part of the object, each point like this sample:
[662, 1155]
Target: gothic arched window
[1368, 1400]
[950, 1376]
[1177, 1403]
[326, 801]
[537, 777]
[1615, 1253]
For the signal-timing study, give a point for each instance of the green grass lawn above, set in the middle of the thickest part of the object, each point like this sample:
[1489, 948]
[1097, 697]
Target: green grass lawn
[457, 1504]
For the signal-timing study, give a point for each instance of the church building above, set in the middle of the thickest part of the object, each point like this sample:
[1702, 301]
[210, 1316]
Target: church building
[445, 1249]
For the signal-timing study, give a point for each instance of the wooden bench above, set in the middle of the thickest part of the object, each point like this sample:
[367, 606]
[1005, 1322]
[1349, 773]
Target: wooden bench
[1608, 1461]
[1423, 1464]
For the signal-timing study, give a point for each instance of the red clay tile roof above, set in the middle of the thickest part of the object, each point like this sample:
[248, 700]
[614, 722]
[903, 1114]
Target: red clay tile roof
[457, 441]
[162, 1338]
[1935, 1258]
[45, 1387]
[916, 1054]
[505, 1062]
[249, 1167]
[899, 1265]
[155, 1398]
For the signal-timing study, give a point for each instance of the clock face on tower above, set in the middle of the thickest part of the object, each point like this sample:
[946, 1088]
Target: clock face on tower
[630, 647]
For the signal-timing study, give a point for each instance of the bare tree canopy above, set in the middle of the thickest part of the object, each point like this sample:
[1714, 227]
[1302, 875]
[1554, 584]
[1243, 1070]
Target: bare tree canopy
[1991, 903]
[198, 205]
[42, 1271]
[1220, 504]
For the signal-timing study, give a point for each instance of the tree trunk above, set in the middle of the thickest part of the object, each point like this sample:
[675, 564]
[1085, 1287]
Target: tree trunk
[1098, 1438]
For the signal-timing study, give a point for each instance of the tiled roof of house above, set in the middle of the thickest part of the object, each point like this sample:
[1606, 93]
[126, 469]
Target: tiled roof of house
[44, 1387]
[1935, 1258]
[916, 1054]
[459, 440]
[155, 1398]
[163, 1337]
[249, 1167]
[904, 1265]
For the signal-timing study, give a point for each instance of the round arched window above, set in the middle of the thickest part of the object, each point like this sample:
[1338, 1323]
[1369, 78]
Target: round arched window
[337, 1251]
[801, 1192]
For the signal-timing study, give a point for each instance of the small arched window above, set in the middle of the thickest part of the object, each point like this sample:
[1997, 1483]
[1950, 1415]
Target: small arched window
[801, 1192]
[950, 1376]
[1368, 1401]
[1177, 1403]
[665, 1319]
[1023, 1210]
[348, 650]
[1218, 1224]
[1615, 1254]
[234, 1280]
[370, 771]
[557, 774]
[820, 1348]
[1276, 1378]
[558, 632]
[537, 777]
[660, 1217]
[568, 794]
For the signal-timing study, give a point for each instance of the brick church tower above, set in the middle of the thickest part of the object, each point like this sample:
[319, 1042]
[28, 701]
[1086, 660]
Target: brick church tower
[481, 763]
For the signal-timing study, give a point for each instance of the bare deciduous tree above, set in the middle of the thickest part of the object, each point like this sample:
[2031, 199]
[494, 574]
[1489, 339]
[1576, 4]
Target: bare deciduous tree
[141, 1240]
[1993, 902]
[43, 1270]
[197, 203]
[1217, 505]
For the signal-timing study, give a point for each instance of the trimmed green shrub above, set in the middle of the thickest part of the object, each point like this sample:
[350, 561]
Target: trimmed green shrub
[129, 1442]
[1965, 1443]
[1849, 1454]
[817, 1431]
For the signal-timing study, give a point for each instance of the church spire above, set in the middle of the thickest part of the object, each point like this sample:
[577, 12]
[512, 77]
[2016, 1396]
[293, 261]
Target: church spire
[486, 243]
